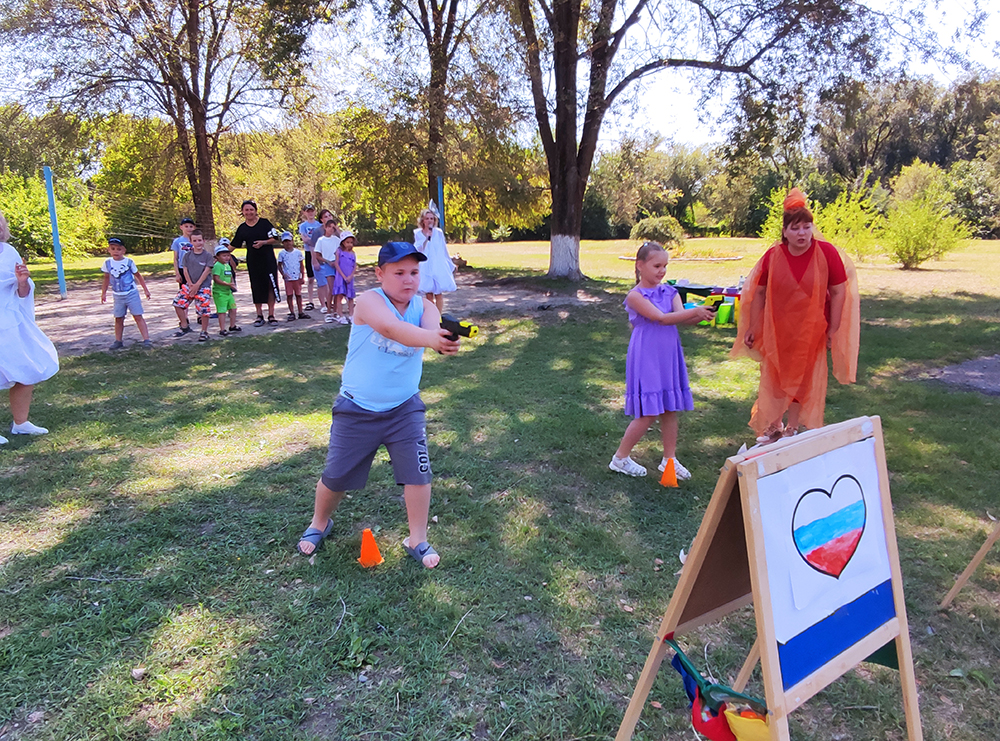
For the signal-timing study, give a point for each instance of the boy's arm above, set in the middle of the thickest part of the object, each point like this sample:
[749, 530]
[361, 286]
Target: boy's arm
[104, 288]
[196, 284]
[374, 312]
[177, 268]
[142, 281]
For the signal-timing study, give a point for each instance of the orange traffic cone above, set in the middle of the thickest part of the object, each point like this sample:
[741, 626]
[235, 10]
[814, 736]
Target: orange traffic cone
[370, 555]
[669, 477]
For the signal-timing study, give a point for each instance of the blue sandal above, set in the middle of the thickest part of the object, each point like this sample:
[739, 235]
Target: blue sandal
[420, 552]
[314, 536]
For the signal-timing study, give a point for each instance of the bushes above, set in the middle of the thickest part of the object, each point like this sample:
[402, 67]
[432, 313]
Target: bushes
[25, 204]
[921, 224]
[663, 229]
[852, 223]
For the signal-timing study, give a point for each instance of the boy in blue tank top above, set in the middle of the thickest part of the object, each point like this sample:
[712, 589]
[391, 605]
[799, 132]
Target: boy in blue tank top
[379, 400]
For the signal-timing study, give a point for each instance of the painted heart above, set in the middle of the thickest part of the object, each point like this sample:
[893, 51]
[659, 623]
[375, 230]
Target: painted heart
[827, 525]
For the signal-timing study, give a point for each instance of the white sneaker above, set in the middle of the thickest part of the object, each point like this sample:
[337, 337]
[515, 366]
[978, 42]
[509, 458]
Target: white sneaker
[27, 429]
[343, 320]
[682, 473]
[3, 440]
[323, 309]
[329, 319]
[626, 466]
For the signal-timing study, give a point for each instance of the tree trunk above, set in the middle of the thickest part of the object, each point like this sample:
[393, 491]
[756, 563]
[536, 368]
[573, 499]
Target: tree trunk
[436, 115]
[564, 172]
[203, 196]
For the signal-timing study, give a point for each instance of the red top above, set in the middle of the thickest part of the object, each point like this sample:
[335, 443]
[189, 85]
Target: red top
[799, 263]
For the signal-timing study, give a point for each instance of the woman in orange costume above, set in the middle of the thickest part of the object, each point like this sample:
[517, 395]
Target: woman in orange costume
[800, 299]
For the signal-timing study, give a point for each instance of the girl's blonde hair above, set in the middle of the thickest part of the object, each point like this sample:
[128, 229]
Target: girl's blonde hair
[4, 229]
[647, 249]
[425, 212]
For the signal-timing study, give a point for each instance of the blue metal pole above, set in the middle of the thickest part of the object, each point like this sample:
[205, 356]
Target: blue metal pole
[56, 247]
[441, 199]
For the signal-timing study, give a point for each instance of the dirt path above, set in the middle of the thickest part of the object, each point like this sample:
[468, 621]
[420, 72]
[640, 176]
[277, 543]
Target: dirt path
[80, 324]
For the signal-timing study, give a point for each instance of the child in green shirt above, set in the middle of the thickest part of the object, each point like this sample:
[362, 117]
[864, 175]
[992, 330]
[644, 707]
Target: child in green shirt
[223, 285]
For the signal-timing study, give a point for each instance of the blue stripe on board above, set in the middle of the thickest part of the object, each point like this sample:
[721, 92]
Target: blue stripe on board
[817, 645]
[822, 531]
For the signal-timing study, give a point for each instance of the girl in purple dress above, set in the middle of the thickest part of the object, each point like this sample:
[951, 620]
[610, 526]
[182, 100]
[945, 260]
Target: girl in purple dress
[343, 282]
[656, 380]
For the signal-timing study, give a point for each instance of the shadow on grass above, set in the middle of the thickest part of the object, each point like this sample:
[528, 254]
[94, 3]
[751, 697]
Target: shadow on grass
[522, 630]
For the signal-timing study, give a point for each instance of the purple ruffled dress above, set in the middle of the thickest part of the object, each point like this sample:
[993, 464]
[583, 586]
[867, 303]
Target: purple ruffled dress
[656, 379]
[347, 262]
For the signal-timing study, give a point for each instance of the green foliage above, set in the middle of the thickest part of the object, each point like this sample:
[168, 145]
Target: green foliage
[770, 231]
[663, 229]
[501, 233]
[141, 184]
[57, 138]
[852, 223]
[25, 204]
[635, 182]
[920, 225]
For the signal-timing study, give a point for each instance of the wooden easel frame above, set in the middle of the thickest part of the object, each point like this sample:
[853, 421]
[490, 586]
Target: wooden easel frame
[971, 568]
[726, 570]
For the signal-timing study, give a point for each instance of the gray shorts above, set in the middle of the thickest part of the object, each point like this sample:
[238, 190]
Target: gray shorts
[128, 302]
[355, 437]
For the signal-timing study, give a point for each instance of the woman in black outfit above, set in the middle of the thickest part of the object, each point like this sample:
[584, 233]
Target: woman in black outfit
[262, 267]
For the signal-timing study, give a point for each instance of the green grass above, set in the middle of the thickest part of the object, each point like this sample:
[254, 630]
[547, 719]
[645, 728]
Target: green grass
[149, 585]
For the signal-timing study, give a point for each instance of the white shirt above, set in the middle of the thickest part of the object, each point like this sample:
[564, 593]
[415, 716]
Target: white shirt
[291, 263]
[327, 247]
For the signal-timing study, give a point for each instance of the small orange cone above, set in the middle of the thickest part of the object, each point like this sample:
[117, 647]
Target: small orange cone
[370, 555]
[669, 477]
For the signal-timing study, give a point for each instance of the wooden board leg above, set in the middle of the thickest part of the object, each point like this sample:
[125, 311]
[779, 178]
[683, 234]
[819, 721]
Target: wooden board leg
[971, 568]
[748, 666]
[908, 685]
[642, 688]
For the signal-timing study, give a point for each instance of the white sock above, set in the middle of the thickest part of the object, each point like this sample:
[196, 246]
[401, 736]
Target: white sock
[26, 428]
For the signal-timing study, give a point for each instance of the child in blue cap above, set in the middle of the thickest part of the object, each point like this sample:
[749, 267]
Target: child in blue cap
[379, 401]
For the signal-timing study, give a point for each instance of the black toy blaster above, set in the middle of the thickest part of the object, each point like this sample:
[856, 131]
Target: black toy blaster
[456, 327]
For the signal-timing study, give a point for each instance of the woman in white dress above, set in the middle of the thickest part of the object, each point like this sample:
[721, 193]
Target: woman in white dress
[436, 273]
[28, 356]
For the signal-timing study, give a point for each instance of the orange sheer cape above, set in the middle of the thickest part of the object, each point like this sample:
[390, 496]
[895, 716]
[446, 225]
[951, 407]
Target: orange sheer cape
[790, 339]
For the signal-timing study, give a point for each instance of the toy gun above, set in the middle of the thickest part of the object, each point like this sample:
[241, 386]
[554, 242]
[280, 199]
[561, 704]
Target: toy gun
[456, 327]
[712, 302]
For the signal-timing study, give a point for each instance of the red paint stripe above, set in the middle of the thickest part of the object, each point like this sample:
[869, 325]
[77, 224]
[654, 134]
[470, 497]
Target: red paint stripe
[831, 558]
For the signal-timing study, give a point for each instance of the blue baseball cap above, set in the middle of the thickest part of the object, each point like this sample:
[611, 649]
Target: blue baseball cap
[396, 251]
[286, 236]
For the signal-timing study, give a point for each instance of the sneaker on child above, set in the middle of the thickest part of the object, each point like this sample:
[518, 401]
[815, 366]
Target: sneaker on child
[26, 428]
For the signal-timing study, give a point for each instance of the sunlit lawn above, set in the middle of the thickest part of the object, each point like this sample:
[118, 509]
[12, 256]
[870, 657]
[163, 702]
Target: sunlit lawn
[149, 585]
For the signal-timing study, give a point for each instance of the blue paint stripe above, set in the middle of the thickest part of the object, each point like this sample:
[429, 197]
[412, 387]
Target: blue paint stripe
[822, 531]
[819, 644]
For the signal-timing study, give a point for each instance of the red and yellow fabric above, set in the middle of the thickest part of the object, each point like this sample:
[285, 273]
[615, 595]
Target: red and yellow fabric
[790, 341]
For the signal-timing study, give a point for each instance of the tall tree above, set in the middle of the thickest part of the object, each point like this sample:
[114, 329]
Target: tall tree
[445, 28]
[581, 57]
[204, 65]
